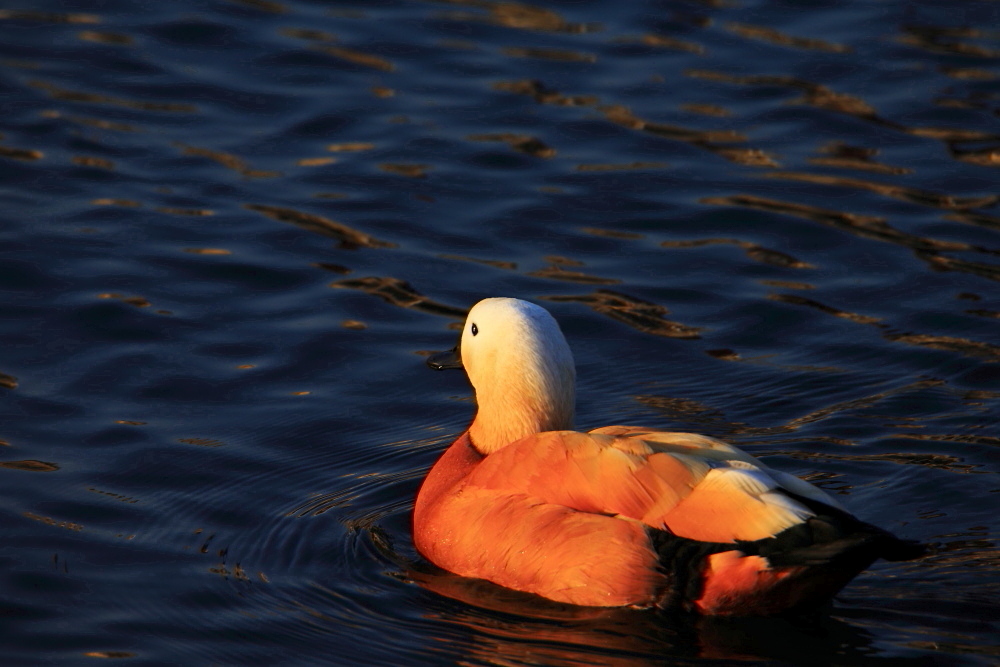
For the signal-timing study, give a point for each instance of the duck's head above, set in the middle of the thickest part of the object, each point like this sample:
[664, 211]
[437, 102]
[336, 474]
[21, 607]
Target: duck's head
[521, 367]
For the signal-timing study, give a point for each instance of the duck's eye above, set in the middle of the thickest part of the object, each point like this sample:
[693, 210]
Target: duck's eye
[475, 329]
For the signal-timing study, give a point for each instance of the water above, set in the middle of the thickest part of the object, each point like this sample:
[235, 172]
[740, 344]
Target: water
[230, 230]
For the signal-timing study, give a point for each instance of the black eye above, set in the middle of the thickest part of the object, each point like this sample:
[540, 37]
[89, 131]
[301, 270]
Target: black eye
[475, 329]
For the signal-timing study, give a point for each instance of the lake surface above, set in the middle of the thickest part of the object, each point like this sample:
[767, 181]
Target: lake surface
[231, 231]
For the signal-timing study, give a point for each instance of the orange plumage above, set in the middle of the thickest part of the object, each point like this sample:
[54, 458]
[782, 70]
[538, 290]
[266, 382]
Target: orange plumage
[621, 515]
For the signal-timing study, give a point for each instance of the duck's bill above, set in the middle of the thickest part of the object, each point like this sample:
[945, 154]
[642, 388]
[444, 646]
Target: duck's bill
[442, 361]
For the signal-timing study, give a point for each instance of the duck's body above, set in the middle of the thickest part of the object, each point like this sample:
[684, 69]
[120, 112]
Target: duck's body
[620, 515]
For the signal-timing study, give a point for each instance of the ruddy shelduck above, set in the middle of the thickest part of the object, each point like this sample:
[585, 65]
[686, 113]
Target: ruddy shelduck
[620, 515]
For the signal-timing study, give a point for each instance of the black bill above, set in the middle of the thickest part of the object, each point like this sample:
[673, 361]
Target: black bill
[442, 361]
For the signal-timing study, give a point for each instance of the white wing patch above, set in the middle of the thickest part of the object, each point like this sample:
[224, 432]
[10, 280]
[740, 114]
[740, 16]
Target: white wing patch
[750, 480]
[805, 489]
[767, 511]
[777, 499]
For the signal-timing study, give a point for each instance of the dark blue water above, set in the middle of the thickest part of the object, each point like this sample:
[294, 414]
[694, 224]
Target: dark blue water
[230, 229]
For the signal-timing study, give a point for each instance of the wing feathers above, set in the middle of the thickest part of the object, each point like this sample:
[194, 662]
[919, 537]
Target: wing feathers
[691, 485]
[670, 441]
[804, 489]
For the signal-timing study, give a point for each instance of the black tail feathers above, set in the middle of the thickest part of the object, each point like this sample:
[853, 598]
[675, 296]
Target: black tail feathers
[836, 538]
[897, 549]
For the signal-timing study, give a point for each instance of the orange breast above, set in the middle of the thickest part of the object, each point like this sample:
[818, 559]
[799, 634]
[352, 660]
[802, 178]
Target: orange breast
[519, 541]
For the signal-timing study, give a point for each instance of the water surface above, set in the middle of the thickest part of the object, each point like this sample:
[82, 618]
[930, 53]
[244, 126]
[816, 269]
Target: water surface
[231, 229]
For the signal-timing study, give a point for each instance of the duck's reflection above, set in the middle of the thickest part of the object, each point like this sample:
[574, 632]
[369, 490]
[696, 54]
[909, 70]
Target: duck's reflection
[506, 627]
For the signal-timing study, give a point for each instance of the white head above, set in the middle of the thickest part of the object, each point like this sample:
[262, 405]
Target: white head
[522, 370]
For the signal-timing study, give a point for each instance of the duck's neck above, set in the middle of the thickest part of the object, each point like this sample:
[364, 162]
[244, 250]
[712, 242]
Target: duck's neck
[514, 411]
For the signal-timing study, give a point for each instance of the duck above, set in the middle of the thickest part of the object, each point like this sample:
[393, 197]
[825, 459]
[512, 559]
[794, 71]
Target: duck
[619, 516]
